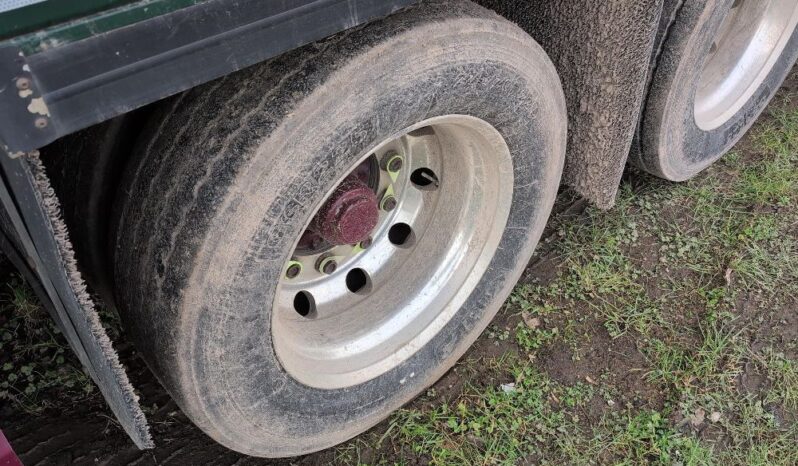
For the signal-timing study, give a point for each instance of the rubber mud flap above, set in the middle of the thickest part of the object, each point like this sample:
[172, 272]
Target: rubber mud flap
[43, 238]
[602, 51]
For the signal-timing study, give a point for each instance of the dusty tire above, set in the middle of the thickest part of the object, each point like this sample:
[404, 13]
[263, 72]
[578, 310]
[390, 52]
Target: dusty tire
[85, 170]
[688, 122]
[230, 173]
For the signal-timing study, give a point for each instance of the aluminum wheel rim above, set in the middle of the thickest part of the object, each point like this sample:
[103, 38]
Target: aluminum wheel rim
[748, 44]
[413, 287]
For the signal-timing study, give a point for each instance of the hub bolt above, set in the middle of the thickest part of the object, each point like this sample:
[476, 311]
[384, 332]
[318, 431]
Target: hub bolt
[293, 270]
[326, 265]
[388, 203]
[365, 243]
[392, 162]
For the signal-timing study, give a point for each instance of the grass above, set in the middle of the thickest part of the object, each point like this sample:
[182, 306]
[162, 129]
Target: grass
[712, 364]
[674, 310]
[37, 371]
[496, 424]
[783, 374]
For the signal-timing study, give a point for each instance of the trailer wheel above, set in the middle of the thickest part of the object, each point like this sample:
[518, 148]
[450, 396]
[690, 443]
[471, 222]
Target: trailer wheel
[306, 246]
[720, 64]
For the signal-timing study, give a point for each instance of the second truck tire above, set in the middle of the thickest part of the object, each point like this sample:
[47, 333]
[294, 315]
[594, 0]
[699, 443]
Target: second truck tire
[720, 63]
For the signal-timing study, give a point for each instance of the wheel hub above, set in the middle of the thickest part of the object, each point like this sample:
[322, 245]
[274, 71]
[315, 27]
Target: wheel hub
[350, 214]
[393, 252]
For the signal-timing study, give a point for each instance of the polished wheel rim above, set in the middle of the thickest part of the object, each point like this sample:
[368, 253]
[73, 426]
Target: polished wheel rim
[748, 44]
[393, 252]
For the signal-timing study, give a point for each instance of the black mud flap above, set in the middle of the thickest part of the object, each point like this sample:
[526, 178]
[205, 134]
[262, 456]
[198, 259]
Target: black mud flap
[35, 238]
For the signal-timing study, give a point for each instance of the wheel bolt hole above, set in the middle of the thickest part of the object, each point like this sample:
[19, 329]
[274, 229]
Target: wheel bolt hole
[304, 304]
[357, 281]
[401, 234]
[424, 178]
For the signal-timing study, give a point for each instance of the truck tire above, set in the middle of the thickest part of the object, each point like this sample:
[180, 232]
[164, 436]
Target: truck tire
[305, 246]
[720, 63]
[84, 169]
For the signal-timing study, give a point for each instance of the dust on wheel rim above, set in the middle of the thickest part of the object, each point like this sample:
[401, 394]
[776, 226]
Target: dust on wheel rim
[745, 49]
[390, 294]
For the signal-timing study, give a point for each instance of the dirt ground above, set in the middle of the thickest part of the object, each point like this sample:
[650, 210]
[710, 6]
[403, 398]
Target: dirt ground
[662, 332]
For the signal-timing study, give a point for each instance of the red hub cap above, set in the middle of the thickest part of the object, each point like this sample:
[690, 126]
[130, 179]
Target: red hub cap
[349, 215]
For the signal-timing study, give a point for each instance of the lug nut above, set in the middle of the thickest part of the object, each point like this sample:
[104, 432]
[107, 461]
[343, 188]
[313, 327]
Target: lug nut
[365, 243]
[327, 265]
[395, 165]
[392, 162]
[388, 203]
[293, 270]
